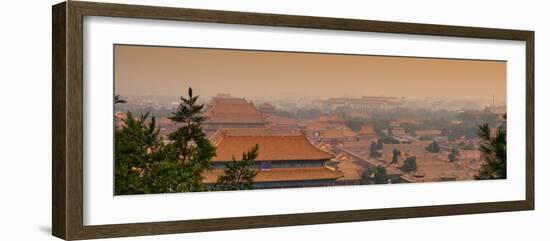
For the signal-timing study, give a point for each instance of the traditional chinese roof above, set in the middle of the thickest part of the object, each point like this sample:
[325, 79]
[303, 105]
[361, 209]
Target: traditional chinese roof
[360, 148]
[411, 149]
[232, 110]
[271, 148]
[316, 126]
[367, 129]
[266, 107]
[283, 174]
[246, 131]
[331, 118]
[435, 169]
[279, 120]
[350, 170]
[428, 132]
[324, 146]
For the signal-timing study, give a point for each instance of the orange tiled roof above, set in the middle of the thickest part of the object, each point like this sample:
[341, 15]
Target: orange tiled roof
[350, 170]
[279, 120]
[271, 148]
[234, 110]
[246, 131]
[428, 132]
[357, 144]
[331, 118]
[367, 129]
[316, 126]
[283, 174]
[337, 133]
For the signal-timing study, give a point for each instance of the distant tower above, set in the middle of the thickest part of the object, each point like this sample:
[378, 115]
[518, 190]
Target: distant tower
[267, 109]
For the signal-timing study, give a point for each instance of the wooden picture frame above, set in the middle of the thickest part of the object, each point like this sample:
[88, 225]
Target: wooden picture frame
[67, 125]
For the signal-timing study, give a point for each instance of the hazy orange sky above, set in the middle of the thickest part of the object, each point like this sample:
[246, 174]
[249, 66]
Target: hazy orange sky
[144, 70]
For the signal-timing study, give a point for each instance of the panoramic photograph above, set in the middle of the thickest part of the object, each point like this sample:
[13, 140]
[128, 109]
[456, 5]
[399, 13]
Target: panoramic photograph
[201, 119]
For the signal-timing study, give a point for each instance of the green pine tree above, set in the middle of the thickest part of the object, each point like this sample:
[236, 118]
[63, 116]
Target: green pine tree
[192, 150]
[239, 175]
[494, 153]
[396, 154]
[433, 147]
[409, 164]
[374, 175]
[454, 155]
[135, 145]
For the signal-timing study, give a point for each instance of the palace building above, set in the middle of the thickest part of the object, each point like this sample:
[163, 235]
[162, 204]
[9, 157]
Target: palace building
[231, 112]
[267, 109]
[283, 161]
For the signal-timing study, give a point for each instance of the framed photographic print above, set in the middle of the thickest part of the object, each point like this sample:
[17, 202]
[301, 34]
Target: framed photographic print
[170, 120]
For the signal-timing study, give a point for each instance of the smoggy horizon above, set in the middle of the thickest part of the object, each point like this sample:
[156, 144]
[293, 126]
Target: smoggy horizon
[169, 71]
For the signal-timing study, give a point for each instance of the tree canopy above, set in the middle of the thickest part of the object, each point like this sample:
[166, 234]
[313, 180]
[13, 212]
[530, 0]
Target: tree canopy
[144, 164]
[433, 147]
[494, 153]
[409, 165]
[239, 175]
[374, 175]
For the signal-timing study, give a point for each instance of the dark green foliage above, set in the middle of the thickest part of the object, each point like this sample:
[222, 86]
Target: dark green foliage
[409, 165]
[239, 175]
[284, 113]
[425, 138]
[355, 123]
[410, 128]
[192, 149]
[143, 164]
[388, 140]
[376, 146]
[454, 154]
[465, 146]
[379, 145]
[374, 150]
[300, 113]
[380, 177]
[396, 154]
[367, 177]
[494, 153]
[188, 113]
[135, 145]
[342, 110]
[165, 177]
[380, 123]
[433, 147]
[477, 117]
[374, 175]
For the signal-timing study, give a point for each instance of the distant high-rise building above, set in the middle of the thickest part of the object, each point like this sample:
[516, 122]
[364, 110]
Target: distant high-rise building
[365, 103]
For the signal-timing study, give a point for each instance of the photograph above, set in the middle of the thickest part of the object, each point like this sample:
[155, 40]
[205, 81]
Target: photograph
[192, 119]
[226, 122]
